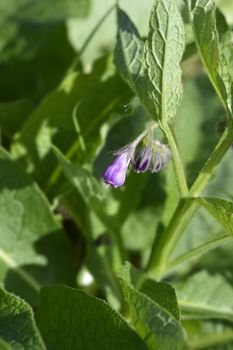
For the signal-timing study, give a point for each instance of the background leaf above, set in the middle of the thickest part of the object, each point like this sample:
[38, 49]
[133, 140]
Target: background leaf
[157, 327]
[17, 326]
[201, 296]
[34, 249]
[128, 54]
[53, 121]
[207, 41]
[221, 209]
[81, 321]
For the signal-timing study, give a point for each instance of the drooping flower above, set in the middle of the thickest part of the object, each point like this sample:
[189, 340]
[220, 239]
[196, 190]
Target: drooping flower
[153, 155]
[115, 173]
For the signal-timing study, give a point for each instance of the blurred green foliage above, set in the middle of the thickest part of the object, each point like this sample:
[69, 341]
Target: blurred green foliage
[63, 110]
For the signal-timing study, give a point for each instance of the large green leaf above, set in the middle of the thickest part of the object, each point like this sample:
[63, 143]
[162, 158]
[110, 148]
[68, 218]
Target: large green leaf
[33, 248]
[13, 115]
[129, 54]
[42, 11]
[70, 319]
[163, 53]
[157, 326]
[205, 296]
[207, 41]
[17, 326]
[163, 294]
[105, 34]
[88, 98]
[221, 209]
[26, 60]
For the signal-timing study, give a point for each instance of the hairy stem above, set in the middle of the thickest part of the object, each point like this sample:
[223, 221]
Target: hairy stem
[198, 251]
[185, 210]
[177, 161]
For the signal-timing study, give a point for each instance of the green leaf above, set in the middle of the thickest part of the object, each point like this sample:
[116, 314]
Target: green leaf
[43, 11]
[101, 262]
[221, 209]
[33, 248]
[163, 294]
[27, 57]
[105, 35]
[89, 188]
[52, 122]
[204, 334]
[227, 50]
[70, 319]
[157, 327]
[13, 115]
[128, 55]
[205, 296]
[17, 325]
[207, 41]
[163, 52]
[4, 345]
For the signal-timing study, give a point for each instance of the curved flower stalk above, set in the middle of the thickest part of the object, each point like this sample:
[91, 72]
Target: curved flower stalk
[152, 156]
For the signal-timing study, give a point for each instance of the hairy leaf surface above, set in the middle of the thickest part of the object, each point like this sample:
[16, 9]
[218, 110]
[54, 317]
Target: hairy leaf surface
[163, 52]
[221, 209]
[33, 248]
[207, 41]
[17, 326]
[70, 319]
[157, 326]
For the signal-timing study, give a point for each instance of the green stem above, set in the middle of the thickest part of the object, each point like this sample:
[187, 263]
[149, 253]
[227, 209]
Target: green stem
[185, 210]
[200, 250]
[177, 161]
[162, 250]
[223, 145]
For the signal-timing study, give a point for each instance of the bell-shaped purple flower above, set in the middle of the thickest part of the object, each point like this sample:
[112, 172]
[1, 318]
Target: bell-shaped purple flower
[115, 173]
[143, 159]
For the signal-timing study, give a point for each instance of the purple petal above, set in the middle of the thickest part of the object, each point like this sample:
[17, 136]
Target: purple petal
[143, 159]
[115, 173]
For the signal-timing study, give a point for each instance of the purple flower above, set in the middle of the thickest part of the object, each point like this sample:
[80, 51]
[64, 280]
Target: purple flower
[115, 173]
[143, 159]
[153, 155]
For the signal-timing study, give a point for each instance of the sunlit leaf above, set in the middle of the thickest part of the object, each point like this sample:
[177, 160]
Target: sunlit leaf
[163, 52]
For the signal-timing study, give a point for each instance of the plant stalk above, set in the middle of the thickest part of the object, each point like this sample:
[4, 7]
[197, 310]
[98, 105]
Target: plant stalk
[186, 208]
[177, 161]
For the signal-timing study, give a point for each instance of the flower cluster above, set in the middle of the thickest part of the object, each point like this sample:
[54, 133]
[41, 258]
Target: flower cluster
[152, 155]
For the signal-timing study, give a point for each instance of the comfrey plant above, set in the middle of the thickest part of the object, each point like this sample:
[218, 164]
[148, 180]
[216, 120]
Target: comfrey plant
[152, 70]
[113, 222]
[151, 156]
